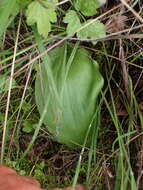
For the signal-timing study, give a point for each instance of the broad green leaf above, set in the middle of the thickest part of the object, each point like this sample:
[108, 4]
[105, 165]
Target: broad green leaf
[8, 10]
[92, 31]
[78, 82]
[87, 7]
[38, 14]
[73, 22]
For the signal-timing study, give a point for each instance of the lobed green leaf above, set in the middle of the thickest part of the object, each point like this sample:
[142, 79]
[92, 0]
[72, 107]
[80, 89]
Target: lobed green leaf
[87, 7]
[8, 10]
[38, 14]
[73, 22]
[92, 31]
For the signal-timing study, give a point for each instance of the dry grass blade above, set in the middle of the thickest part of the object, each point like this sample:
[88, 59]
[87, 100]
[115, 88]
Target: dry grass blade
[124, 70]
[20, 107]
[9, 94]
[115, 24]
[132, 10]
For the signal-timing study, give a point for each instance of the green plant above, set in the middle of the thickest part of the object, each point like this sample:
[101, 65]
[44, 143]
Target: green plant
[37, 13]
[67, 87]
[8, 11]
[43, 13]
[88, 30]
[29, 30]
[88, 8]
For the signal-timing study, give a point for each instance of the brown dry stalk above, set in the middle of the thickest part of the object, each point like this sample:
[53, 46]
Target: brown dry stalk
[124, 2]
[124, 69]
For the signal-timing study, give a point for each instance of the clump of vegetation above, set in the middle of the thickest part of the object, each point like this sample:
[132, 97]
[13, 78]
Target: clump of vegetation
[66, 48]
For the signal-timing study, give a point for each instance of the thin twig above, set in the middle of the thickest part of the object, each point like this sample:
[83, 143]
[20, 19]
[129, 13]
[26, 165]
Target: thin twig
[132, 10]
[113, 36]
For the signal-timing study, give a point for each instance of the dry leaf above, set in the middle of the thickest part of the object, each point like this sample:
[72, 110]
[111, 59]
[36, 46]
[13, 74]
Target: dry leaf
[116, 23]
